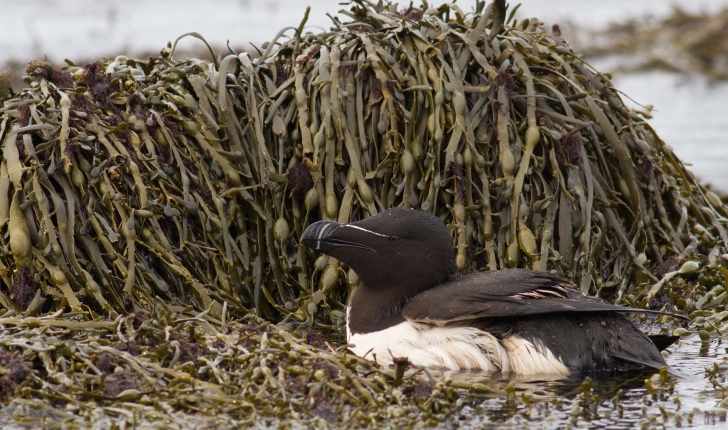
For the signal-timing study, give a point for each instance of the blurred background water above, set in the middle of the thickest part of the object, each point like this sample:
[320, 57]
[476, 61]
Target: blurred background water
[92, 28]
[689, 111]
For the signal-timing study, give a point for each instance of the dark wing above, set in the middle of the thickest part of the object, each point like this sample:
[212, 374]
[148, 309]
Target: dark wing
[504, 293]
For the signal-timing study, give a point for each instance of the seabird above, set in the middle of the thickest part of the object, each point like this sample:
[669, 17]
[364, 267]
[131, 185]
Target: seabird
[411, 302]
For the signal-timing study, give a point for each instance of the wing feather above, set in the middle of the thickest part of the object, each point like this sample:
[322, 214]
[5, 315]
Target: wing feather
[504, 293]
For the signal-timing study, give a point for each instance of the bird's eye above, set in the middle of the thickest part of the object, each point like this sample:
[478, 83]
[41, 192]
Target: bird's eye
[394, 239]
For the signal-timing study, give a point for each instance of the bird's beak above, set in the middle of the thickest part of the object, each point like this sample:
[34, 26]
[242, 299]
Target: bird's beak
[327, 236]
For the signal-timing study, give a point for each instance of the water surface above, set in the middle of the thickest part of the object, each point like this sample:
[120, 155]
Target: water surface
[616, 401]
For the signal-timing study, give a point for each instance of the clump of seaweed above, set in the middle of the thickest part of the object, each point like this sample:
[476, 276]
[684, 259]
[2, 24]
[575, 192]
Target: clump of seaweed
[300, 180]
[105, 362]
[118, 382]
[13, 371]
[24, 288]
[42, 70]
[192, 196]
[248, 375]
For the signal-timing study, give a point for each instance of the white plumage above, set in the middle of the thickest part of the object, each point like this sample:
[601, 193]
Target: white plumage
[455, 348]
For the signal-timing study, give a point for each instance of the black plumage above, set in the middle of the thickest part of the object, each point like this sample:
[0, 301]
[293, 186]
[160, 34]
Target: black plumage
[504, 293]
[587, 333]
[405, 261]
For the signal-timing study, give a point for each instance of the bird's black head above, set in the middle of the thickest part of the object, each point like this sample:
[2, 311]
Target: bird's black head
[398, 248]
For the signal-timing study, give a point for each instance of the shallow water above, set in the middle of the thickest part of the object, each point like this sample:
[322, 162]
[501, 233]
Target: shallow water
[91, 28]
[689, 116]
[623, 401]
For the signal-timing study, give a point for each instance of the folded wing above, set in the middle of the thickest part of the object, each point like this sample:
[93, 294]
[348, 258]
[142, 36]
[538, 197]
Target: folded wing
[504, 293]
[585, 332]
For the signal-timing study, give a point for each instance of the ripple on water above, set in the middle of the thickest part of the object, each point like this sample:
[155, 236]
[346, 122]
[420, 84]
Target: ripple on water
[617, 401]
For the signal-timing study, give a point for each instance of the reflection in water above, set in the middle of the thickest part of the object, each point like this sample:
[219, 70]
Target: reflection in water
[612, 400]
[548, 387]
[617, 401]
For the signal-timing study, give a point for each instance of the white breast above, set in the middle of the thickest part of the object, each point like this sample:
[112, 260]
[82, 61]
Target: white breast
[455, 348]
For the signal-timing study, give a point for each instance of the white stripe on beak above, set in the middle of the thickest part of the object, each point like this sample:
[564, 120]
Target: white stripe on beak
[322, 233]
